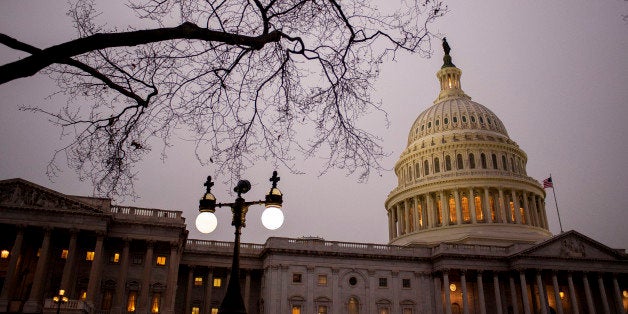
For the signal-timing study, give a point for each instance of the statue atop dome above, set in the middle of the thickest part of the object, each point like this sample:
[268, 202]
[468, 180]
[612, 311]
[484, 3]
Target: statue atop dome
[447, 58]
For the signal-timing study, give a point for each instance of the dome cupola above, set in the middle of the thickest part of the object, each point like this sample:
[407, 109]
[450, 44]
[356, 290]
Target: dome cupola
[461, 178]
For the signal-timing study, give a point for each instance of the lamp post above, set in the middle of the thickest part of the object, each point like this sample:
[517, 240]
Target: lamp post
[206, 222]
[60, 298]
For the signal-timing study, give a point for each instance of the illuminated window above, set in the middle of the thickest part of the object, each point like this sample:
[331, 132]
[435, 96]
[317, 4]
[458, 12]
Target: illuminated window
[439, 210]
[4, 254]
[196, 310]
[115, 257]
[353, 306]
[407, 311]
[466, 214]
[322, 280]
[512, 211]
[161, 260]
[322, 309]
[83, 294]
[198, 281]
[492, 205]
[296, 309]
[523, 216]
[131, 300]
[420, 213]
[64, 254]
[154, 307]
[217, 282]
[478, 208]
[384, 310]
[452, 210]
[214, 310]
[89, 256]
[296, 278]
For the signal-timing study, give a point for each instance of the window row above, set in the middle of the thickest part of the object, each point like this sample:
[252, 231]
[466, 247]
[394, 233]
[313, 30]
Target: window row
[322, 280]
[454, 121]
[352, 306]
[216, 281]
[512, 164]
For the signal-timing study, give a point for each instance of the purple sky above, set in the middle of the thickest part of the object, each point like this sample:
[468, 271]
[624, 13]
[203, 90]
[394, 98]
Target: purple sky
[555, 72]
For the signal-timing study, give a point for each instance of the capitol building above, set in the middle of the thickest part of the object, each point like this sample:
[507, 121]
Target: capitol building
[468, 233]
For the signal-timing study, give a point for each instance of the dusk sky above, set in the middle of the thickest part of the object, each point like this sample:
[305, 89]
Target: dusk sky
[554, 72]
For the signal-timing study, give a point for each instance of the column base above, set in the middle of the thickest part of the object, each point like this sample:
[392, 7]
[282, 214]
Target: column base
[32, 307]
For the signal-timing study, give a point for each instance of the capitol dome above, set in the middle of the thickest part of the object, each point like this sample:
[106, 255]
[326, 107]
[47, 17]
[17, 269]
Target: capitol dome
[461, 178]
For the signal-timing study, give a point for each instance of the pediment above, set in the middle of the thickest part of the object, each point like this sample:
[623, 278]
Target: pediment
[572, 245]
[22, 193]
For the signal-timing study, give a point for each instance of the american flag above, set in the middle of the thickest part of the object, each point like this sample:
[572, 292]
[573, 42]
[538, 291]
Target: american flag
[547, 183]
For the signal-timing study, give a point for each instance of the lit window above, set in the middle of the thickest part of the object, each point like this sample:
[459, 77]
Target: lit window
[196, 310]
[161, 260]
[322, 309]
[154, 308]
[198, 281]
[384, 310]
[383, 282]
[115, 257]
[405, 283]
[89, 256]
[452, 287]
[64, 254]
[322, 280]
[83, 295]
[296, 278]
[296, 309]
[4, 254]
[214, 310]
[407, 311]
[131, 300]
[217, 282]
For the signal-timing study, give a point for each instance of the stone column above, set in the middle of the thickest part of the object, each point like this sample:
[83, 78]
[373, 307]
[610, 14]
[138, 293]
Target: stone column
[618, 298]
[188, 292]
[559, 302]
[526, 208]
[515, 204]
[118, 302]
[417, 209]
[481, 293]
[587, 293]
[173, 276]
[487, 207]
[535, 214]
[400, 221]
[95, 271]
[247, 289]
[208, 293]
[513, 294]
[471, 202]
[501, 207]
[542, 293]
[144, 289]
[600, 283]
[524, 292]
[438, 295]
[390, 225]
[444, 205]
[406, 216]
[458, 207]
[11, 277]
[465, 293]
[393, 212]
[544, 215]
[68, 268]
[572, 295]
[34, 299]
[447, 294]
[498, 294]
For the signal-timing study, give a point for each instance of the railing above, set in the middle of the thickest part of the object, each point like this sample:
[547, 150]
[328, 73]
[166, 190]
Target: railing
[221, 246]
[465, 173]
[469, 249]
[145, 212]
[77, 306]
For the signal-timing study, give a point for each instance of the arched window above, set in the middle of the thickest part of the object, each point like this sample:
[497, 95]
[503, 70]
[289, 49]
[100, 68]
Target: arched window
[447, 163]
[426, 168]
[353, 306]
[409, 173]
[471, 161]
[436, 165]
[459, 162]
[466, 214]
[494, 157]
[512, 165]
[417, 170]
[483, 160]
[452, 210]
[504, 163]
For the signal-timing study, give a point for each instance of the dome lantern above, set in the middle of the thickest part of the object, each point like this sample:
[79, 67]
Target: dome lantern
[449, 78]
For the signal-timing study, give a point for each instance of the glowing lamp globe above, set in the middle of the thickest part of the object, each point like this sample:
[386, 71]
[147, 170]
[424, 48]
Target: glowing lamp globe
[206, 222]
[272, 217]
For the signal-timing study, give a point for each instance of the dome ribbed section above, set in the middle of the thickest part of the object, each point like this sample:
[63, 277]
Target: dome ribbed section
[461, 178]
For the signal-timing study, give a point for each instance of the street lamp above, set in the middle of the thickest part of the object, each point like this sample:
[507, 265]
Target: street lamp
[206, 222]
[60, 298]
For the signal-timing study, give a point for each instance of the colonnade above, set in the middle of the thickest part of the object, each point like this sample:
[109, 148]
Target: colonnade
[538, 291]
[466, 206]
[93, 290]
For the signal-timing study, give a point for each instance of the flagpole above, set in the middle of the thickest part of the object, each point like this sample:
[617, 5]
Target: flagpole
[556, 202]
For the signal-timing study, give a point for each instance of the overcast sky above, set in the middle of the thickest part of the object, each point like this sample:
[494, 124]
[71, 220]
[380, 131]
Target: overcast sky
[555, 72]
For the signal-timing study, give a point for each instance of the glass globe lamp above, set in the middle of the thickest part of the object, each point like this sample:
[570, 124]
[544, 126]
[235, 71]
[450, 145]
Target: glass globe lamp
[206, 222]
[272, 217]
